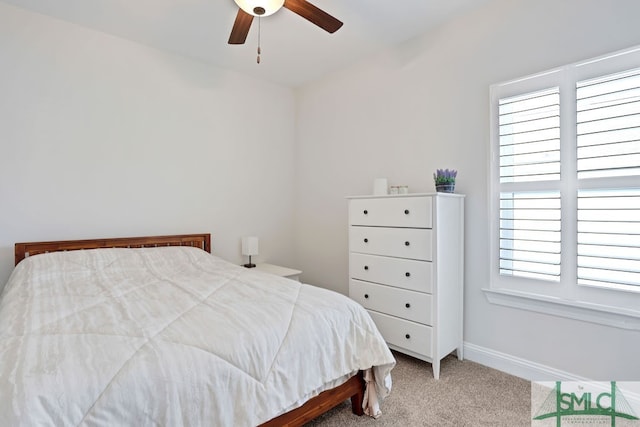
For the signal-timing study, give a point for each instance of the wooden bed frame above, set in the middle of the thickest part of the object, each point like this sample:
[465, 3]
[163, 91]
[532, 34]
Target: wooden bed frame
[352, 389]
[202, 241]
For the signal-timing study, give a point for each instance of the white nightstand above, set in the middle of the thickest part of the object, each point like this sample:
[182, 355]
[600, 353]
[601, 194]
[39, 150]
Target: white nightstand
[289, 273]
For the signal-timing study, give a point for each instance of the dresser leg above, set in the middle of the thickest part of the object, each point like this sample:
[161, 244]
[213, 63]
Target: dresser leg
[436, 369]
[459, 353]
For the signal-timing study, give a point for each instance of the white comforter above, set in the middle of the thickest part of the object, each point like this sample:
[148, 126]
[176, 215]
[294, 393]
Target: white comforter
[170, 337]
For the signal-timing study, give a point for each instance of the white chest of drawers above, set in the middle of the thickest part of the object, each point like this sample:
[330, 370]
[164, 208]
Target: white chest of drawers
[406, 257]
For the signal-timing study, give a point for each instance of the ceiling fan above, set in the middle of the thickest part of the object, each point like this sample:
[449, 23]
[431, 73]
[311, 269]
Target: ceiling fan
[248, 9]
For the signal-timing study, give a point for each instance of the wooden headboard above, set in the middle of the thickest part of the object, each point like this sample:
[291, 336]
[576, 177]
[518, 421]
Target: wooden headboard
[202, 241]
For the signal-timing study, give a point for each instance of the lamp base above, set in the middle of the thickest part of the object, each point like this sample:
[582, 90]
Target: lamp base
[249, 265]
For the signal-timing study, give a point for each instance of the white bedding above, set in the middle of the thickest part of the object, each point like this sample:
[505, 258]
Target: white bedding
[171, 336]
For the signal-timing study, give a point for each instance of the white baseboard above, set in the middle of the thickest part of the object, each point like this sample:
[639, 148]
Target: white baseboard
[532, 371]
[517, 366]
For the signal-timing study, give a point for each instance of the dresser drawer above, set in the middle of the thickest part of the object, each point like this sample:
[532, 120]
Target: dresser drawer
[403, 273]
[413, 243]
[409, 305]
[403, 333]
[396, 212]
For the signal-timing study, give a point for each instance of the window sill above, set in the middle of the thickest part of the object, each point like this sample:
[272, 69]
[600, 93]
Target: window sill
[577, 310]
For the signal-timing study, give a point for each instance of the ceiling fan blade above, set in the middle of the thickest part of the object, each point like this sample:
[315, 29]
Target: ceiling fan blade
[240, 27]
[311, 13]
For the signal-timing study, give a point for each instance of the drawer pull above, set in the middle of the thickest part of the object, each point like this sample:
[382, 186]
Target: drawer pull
[407, 336]
[366, 296]
[406, 211]
[407, 274]
[407, 305]
[365, 212]
[366, 240]
[407, 243]
[366, 267]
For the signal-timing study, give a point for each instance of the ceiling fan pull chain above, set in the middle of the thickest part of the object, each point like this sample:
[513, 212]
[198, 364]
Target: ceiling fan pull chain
[258, 40]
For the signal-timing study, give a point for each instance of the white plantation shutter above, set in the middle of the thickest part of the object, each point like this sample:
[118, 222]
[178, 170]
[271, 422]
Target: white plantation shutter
[608, 125]
[529, 138]
[564, 199]
[609, 238]
[608, 145]
[530, 235]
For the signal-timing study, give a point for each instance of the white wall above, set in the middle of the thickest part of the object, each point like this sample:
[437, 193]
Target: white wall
[101, 137]
[425, 105]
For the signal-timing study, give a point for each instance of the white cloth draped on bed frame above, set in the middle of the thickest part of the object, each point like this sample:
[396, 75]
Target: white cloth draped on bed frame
[171, 336]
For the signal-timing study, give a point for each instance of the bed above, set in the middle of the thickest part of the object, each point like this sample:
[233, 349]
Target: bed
[157, 331]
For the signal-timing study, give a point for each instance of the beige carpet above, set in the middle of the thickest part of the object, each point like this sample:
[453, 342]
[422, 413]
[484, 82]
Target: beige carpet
[467, 394]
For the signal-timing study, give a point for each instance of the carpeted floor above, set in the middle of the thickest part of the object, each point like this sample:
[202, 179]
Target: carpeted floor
[467, 394]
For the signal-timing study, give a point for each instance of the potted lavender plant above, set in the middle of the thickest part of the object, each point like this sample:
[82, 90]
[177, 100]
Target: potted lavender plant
[445, 180]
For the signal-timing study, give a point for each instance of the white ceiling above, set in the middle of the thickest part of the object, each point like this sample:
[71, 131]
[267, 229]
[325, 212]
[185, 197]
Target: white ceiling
[294, 51]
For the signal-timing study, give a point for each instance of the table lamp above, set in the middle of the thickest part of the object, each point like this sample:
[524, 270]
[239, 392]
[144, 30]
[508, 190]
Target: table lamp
[250, 248]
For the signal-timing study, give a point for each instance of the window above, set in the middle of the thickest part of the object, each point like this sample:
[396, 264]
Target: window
[529, 140]
[565, 191]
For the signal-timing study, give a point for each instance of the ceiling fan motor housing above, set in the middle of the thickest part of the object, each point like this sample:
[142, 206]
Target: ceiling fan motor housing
[260, 7]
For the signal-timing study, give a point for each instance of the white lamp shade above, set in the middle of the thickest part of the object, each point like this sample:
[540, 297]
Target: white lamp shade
[270, 6]
[250, 245]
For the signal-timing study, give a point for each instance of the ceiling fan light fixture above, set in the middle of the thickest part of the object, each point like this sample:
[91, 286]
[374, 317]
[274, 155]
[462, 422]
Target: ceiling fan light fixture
[260, 7]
